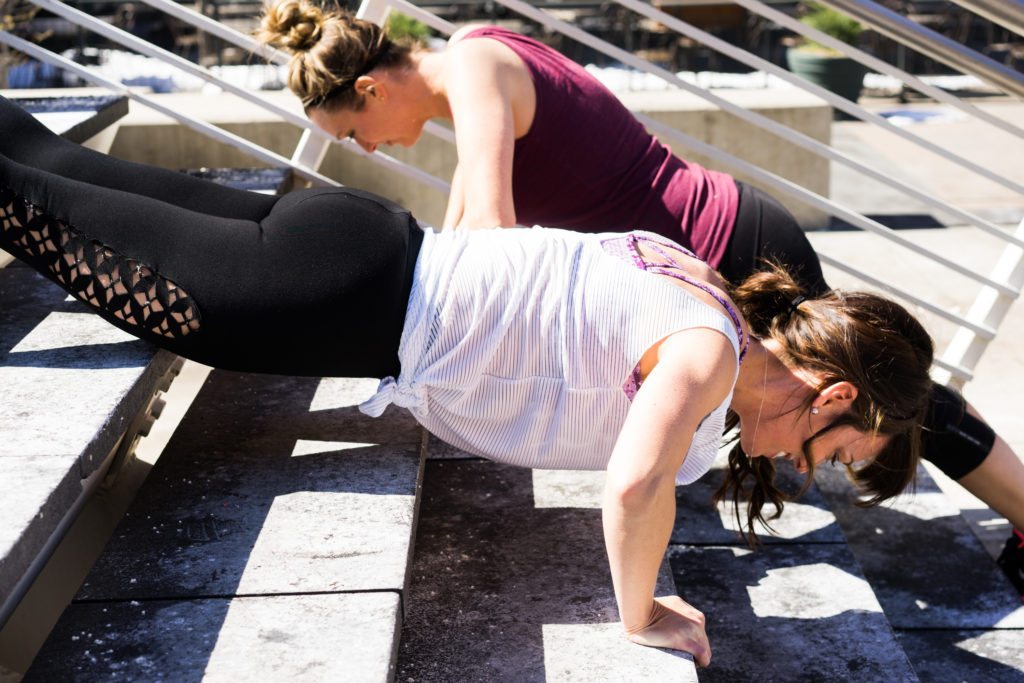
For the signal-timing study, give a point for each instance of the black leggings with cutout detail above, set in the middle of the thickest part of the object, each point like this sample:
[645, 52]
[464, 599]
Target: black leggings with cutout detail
[313, 283]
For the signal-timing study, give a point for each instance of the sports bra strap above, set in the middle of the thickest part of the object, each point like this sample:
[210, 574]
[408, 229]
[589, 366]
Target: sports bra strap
[678, 272]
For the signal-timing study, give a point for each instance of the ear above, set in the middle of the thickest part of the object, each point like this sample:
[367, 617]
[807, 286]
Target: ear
[837, 397]
[370, 88]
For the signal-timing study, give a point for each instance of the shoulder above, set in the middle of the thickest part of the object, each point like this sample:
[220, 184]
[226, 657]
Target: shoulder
[464, 31]
[477, 61]
[700, 355]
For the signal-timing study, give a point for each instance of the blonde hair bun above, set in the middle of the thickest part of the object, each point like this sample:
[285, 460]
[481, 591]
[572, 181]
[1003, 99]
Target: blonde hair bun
[295, 25]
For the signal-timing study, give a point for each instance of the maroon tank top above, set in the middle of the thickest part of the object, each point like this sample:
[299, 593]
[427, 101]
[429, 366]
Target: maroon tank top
[587, 164]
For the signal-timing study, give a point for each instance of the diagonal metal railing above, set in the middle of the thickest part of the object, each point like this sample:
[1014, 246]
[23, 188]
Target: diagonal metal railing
[999, 288]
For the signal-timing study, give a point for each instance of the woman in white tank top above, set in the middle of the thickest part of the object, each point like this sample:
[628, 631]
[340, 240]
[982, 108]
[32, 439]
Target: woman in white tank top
[536, 347]
[558, 350]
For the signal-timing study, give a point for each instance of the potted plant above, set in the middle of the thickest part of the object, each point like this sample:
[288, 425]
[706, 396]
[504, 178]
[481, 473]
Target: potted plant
[822, 65]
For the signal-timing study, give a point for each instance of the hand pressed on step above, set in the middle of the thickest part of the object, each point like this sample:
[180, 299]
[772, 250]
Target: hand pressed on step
[675, 624]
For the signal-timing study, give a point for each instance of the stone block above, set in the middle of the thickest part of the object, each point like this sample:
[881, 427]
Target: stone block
[788, 613]
[965, 655]
[70, 384]
[256, 495]
[337, 637]
[944, 578]
[520, 592]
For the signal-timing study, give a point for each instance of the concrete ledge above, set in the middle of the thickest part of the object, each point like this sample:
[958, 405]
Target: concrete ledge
[272, 493]
[243, 639]
[510, 566]
[70, 384]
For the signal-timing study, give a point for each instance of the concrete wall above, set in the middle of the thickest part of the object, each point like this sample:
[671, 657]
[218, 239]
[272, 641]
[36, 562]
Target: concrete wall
[152, 138]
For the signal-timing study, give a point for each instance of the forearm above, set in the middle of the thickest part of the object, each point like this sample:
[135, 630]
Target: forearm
[637, 527]
[999, 482]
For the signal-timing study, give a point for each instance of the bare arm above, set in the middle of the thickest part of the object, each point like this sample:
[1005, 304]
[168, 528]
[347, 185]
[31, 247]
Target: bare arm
[481, 102]
[456, 201]
[999, 481]
[694, 373]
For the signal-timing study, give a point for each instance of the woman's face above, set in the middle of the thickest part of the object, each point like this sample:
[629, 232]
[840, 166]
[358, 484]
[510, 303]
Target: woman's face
[384, 120]
[784, 428]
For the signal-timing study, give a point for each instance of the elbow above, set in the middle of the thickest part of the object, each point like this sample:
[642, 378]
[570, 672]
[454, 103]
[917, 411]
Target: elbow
[638, 493]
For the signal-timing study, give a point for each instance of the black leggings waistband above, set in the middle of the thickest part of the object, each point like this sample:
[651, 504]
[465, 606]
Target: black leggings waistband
[765, 229]
[313, 283]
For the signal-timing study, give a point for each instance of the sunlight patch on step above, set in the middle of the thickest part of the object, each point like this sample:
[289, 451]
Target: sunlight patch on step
[339, 392]
[924, 505]
[600, 652]
[568, 488]
[798, 519]
[68, 330]
[312, 447]
[812, 591]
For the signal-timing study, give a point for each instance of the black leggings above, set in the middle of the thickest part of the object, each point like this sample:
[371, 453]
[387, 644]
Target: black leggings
[314, 283]
[955, 441]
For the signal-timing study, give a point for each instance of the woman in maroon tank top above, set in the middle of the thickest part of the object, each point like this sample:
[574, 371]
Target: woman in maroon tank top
[541, 141]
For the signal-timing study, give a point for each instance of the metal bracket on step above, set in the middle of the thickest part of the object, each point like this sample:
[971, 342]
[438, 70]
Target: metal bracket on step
[140, 426]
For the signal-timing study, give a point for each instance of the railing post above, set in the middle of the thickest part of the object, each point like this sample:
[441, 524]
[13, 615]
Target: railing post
[374, 10]
[988, 309]
[310, 151]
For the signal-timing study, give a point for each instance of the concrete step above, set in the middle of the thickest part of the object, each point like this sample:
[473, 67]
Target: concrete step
[797, 608]
[271, 540]
[510, 583]
[70, 387]
[955, 613]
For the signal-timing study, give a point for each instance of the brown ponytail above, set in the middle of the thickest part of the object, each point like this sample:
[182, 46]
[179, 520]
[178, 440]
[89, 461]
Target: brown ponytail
[867, 340]
[330, 50]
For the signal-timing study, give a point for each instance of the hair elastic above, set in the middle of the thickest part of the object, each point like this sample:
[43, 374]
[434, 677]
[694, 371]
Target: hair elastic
[797, 300]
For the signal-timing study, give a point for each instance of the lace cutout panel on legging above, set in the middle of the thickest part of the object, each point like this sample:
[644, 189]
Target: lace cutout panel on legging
[94, 273]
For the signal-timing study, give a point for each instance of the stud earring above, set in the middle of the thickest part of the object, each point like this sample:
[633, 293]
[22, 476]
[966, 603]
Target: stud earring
[815, 411]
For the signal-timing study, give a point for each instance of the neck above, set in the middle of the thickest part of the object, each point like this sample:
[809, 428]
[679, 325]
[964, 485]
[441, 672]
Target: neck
[750, 381]
[426, 84]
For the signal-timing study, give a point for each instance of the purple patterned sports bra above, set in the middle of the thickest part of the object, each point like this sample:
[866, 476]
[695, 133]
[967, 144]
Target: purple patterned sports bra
[627, 247]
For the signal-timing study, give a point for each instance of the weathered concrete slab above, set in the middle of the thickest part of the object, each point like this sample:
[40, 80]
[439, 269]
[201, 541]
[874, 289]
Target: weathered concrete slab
[255, 494]
[943, 579]
[805, 520]
[504, 590]
[338, 637]
[35, 492]
[271, 541]
[788, 613]
[70, 384]
[963, 655]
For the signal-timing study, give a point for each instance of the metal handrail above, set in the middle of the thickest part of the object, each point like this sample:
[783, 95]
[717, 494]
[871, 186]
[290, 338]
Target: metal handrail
[872, 62]
[117, 35]
[841, 103]
[236, 141]
[1007, 13]
[931, 43]
[812, 198]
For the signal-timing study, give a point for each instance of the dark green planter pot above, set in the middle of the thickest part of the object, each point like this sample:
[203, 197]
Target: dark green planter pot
[841, 75]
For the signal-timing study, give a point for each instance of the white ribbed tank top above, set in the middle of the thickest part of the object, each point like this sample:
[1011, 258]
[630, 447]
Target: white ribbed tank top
[517, 344]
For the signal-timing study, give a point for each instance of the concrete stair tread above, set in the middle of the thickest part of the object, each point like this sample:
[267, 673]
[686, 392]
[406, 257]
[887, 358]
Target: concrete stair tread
[518, 585]
[800, 612]
[266, 638]
[271, 488]
[799, 606]
[70, 385]
[943, 577]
